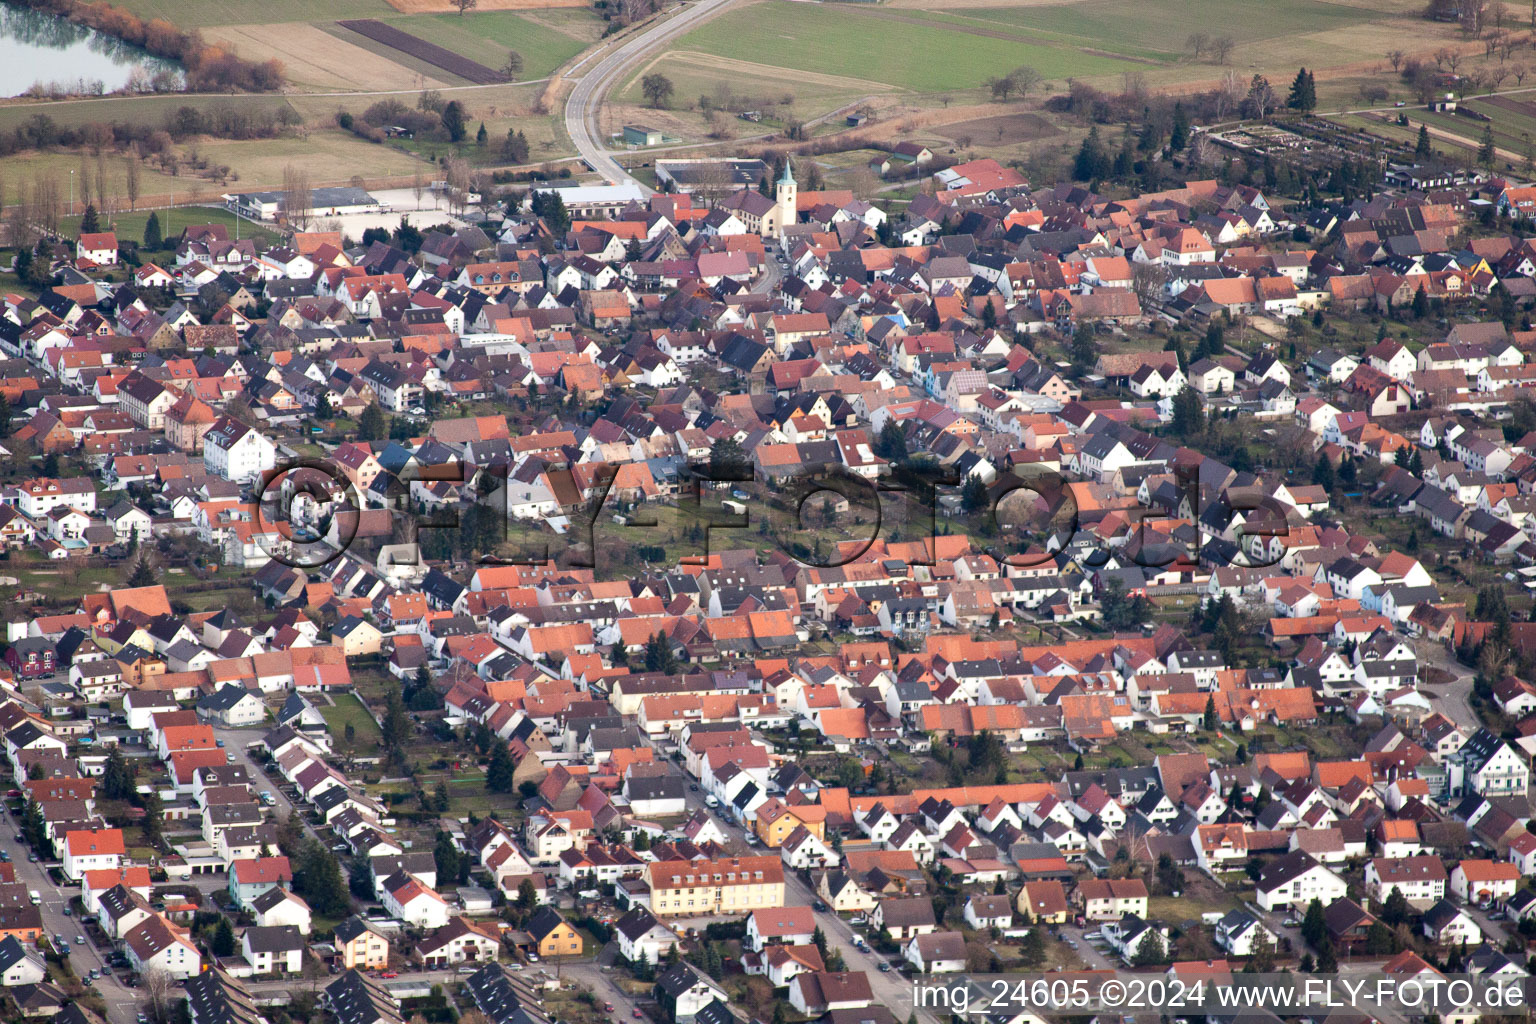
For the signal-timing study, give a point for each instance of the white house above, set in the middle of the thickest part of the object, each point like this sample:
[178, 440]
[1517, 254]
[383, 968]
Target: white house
[937, 952]
[18, 965]
[1239, 931]
[278, 949]
[234, 451]
[1296, 879]
[413, 902]
[155, 944]
[278, 907]
[639, 933]
[92, 850]
[1421, 879]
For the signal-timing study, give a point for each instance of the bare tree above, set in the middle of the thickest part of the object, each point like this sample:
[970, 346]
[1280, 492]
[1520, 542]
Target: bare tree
[713, 181]
[513, 66]
[1472, 16]
[465, 5]
[296, 201]
[1147, 280]
[156, 983]
[1198, 42]
[416, 186]
[83, 175]
[1229, 95]
[104, 192]
[131, 175]
[46, 203]
[456, 177]
[1519, 71]
[1024, 78]
[1222, 48]
[1395, 57]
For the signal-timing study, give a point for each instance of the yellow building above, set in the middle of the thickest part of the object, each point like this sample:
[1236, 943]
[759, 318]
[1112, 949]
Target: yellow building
[730, 885]
[360, 946]
[552, 936]
[776, 820]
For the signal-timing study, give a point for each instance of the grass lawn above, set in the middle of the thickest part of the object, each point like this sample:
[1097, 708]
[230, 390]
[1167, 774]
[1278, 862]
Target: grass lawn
[174, 221]
[822, 39]
[1189, 905]
[349, 710]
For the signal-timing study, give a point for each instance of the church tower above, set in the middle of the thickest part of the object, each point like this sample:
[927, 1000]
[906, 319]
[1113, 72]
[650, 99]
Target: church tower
[784, 195]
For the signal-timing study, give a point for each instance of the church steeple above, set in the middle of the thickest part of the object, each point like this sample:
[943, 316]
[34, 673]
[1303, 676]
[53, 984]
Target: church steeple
[784, 197]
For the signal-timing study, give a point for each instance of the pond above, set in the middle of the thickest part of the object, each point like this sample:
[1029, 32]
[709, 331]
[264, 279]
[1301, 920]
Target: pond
[44, 54]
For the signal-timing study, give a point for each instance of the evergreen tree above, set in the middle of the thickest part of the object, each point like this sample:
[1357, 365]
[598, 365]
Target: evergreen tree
[1322, 473]
[90, 220]
[223, 943]
[498, 775]
[727, 460]
[453, 121]
[891, 444]
[1210, 721]
[1151, 951]
[445, 856]
[1303, 95]
[1421, 147]
[527, 895]
[973, 497]
[1178, 135]
[712, 965]
[370, 425]
[323, 410]
[154, 816]
[117, 777]
[1033, 951]
[1486, 153]
[5, 415]
[1394, 910]
[153, 239]
[1314, 927]
[482, 136]
[143, 574]
[1091, 163]
[1188, 413]
[360, 877]
[1327, 960]
[318, 879]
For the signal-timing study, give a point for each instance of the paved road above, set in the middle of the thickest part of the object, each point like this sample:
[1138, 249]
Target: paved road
[1453, 700]
[587, 97]
[892, 990]
[122, 1001]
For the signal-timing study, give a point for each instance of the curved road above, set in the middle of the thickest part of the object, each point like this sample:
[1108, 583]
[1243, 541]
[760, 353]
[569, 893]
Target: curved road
[587, 96]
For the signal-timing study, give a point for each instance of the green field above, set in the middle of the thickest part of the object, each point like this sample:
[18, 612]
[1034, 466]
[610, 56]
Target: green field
[1127, 26]
[138, 109]
[198, 13]
[349, 710]
[487, 36]
[174, 221]
[925, 56]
